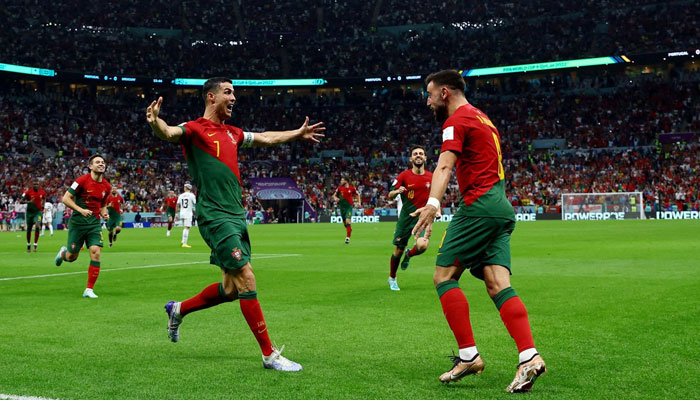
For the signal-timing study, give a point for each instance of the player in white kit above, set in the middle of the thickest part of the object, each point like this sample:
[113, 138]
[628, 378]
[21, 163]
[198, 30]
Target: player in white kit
[47, 218]
[185, 203]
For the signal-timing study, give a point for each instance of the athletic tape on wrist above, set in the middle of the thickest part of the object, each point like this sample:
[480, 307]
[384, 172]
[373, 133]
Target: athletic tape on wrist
[433, 202]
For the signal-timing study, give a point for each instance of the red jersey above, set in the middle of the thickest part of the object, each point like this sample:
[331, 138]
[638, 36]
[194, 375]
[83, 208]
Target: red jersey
[115, 202]
[36, 198]
[89, 194]
[417, 190]
[211, 150]
[472, 136]
[347, 193]
[171, 202]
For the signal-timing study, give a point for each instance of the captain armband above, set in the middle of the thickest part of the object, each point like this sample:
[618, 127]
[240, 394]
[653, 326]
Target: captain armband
[248, 138]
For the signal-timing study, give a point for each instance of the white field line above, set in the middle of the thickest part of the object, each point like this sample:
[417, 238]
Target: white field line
[13, 397]
[256, 257]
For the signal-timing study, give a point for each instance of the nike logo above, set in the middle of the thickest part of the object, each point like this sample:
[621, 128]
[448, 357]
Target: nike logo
[89, 191]
[212, 134]
[262, 330]
[411, 185]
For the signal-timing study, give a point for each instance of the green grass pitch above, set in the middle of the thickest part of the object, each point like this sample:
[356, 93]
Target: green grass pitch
[614, 308]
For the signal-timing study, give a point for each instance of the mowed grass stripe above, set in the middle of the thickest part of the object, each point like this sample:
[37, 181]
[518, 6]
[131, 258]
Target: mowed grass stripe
[607, 300]
[260, 257]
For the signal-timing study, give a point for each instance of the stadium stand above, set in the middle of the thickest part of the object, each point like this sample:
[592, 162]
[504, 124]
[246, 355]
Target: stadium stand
[562, 131]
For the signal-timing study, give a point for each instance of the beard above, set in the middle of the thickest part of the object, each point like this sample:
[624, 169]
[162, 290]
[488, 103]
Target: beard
[440, 113]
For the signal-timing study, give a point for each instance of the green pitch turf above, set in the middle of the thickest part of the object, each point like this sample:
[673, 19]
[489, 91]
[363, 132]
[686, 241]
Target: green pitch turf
[614, 308]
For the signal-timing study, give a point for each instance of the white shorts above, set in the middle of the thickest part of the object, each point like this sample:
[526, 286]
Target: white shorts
[47, 219]
[186, 220]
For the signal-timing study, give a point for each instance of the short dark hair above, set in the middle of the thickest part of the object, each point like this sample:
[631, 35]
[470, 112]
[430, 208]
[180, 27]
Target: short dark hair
[94, 156]
[448, 77]
[212, 84]
[417, 146]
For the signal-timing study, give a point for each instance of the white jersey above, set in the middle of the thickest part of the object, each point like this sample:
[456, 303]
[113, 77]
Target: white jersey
[186, 202]
[48, 211]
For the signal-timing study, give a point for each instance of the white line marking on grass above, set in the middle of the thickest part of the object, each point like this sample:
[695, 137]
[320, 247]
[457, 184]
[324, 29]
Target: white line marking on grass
[255, 257]
[13, 397]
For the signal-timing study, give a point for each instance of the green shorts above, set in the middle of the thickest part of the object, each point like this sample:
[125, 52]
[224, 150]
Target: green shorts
[32, 218]
[229, 242]
[474, 242]
[346, 213]
[91, 235]
[115, 220]
[403, 231]
[170, 212]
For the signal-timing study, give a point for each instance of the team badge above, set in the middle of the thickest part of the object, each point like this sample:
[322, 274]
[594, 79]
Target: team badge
[231, 136]
[236, 254]
[73, 246]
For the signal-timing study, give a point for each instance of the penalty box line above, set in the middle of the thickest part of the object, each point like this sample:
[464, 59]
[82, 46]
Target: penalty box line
[13, 397]
[259, 257]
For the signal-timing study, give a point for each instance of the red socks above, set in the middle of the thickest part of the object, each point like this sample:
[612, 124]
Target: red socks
[456, 310]
[211, 296]
[36, 236]
[170, 225]
[250, 307]
[414, 252]
[511, 308]
[394, 266]
[93, 273]
[514, 316]
[348, 230]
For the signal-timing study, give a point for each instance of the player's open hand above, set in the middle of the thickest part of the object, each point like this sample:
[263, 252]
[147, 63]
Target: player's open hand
[105, 215]
[154, 109]
[312, 132]
[426, 216]
[401, 189]
[86, 213]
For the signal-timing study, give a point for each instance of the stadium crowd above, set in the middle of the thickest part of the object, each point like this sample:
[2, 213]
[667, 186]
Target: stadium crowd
[333, 38]
[610, 126]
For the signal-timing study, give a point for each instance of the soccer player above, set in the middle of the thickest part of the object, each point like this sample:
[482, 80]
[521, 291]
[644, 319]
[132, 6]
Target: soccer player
[35, 197]
[211, 150]
[114, 208]
[170, 206]
[185, 203]
[478, 238]
[345, 202]
[87, 197]
[413, 188]
[47, 219]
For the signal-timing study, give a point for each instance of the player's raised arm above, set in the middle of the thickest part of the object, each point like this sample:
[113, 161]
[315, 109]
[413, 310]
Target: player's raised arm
[438, 186]
[160, 128]
[305, 132]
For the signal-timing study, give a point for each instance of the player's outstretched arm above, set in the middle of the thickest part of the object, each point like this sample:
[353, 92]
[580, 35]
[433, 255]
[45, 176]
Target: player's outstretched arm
[438, 186]
[305, 132]
[161, 129]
